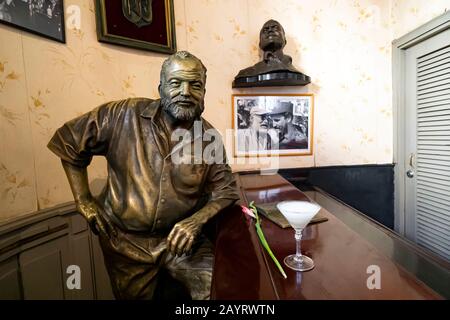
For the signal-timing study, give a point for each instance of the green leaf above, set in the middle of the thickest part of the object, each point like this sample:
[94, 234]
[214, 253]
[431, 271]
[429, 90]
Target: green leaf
[267, 247]
[263, 240]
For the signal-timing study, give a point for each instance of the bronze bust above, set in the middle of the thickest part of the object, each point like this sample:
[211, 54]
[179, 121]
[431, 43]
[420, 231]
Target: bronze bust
[276, 68]
[150, 214]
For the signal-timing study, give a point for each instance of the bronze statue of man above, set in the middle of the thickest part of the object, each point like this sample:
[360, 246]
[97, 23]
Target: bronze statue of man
[276, 67]
[150, 214]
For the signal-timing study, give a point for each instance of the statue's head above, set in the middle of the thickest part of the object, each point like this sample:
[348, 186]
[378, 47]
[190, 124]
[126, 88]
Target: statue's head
[271, 36]
[182, 86]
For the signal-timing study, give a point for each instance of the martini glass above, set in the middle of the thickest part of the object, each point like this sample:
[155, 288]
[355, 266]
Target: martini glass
[298, 214]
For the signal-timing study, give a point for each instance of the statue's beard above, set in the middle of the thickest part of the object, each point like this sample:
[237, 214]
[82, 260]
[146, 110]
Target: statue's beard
[182, 113]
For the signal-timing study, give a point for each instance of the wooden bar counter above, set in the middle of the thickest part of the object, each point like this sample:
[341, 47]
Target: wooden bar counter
[342, 255]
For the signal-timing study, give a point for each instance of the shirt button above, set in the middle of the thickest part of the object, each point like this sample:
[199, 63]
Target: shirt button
[163, 178]
[163, 200]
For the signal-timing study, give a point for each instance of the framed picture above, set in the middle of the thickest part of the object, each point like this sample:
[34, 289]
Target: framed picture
[142, 24]
[273, 124]
[41, 17]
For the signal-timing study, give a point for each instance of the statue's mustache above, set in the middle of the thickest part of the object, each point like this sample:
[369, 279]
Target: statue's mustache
[184, 100]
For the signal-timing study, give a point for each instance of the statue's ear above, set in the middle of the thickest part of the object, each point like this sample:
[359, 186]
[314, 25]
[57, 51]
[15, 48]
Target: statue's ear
[159, 89]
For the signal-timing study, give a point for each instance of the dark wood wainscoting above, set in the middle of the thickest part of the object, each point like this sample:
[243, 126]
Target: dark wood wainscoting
[36, 250]
[367, 188]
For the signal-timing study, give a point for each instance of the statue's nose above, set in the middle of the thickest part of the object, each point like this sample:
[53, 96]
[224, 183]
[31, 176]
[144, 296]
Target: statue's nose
[185, 89]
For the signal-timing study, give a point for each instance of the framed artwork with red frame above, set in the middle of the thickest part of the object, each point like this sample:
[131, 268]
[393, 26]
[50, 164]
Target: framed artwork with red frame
[141, 24]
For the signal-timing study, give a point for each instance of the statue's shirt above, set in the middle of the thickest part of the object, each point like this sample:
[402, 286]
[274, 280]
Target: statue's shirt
[268, 66]
[145, 190]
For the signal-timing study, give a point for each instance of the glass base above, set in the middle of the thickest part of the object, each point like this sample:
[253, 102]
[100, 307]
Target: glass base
[304, 264]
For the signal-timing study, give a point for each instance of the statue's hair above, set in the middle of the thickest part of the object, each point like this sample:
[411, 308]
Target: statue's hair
[179, 55]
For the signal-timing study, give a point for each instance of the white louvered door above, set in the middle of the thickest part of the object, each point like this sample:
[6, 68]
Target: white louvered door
[427, 148]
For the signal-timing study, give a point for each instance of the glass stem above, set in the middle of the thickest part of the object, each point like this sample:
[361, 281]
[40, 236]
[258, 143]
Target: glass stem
[298, 238]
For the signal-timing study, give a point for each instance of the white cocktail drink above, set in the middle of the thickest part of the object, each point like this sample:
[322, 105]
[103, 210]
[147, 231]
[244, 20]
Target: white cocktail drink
[298, 214]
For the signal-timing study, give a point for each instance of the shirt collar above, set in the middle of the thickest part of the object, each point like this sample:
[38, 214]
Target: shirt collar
[151, 110]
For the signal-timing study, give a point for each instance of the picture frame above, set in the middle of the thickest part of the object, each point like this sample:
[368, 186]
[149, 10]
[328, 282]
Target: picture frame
[140, 24]
[273, 124]
[43, 18]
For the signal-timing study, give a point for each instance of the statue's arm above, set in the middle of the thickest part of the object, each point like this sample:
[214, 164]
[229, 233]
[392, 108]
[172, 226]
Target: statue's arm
[222, 187]
[183, 234]
[78, 180]
[75, 143]
[211, 209]
[85, 202]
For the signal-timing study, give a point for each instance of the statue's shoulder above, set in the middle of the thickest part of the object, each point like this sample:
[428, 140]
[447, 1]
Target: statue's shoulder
[140, 103]
[250, 71]
[286, 59]
[129, 103]
[133, 105]
[125, 108]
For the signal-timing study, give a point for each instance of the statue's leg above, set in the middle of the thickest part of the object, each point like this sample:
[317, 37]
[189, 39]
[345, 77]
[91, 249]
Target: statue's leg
[132, 268]
[195, 270]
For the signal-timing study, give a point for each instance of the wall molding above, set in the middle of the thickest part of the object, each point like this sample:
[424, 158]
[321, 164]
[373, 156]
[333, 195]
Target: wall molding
[17, 222]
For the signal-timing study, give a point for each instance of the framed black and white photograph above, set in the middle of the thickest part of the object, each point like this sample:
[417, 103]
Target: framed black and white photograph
[41, 17]
[269, 124]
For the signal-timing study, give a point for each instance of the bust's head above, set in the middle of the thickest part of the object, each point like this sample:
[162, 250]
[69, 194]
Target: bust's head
[271, 36]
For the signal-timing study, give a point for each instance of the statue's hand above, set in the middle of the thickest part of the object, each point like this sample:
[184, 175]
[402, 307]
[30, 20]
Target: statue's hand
[98, 222]
[182, 236]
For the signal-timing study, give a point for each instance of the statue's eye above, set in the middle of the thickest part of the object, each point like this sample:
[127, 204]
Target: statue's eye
[197, 85]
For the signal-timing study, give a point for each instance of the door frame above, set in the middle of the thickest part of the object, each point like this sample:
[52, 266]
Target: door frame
[399, 47]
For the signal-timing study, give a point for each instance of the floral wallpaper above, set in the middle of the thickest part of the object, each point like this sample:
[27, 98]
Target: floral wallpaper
[344, 45]
[406, 15]
[17, 172]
